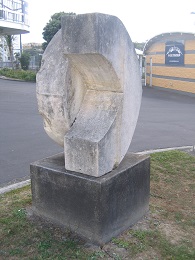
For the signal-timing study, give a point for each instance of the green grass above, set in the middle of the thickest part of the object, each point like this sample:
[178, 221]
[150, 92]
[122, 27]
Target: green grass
[21, 238]
[18, 74]
[167, 233]
[172, 184]
[144, 240]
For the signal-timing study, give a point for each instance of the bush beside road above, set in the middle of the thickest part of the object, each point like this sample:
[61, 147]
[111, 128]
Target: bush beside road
[25, 75]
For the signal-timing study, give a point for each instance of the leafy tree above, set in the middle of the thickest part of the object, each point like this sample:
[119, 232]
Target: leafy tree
[139, 45]
[35, 52]
[2, 44]
[52, 27]
[9, 41]
[25, 60]
[17, 59]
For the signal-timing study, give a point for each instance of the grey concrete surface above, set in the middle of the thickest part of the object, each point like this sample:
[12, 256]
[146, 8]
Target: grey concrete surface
[166, 120]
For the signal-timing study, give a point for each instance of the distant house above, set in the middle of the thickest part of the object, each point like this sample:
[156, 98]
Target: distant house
[170, 61]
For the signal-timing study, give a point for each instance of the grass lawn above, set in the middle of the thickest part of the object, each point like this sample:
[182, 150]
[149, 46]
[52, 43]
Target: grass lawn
[167, 232]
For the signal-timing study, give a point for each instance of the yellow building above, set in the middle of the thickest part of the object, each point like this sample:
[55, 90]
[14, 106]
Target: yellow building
[170, 61]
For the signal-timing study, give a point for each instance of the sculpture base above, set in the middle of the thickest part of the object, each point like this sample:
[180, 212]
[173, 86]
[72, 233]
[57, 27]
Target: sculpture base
[95, 208]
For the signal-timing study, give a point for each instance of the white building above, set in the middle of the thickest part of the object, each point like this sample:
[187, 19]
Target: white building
[13, 21]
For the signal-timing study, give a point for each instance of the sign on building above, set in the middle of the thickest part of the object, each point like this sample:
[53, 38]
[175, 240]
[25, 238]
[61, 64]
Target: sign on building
[174, 53]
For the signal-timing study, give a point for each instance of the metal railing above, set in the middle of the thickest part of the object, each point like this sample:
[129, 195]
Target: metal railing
[33, 65]
[7, 64]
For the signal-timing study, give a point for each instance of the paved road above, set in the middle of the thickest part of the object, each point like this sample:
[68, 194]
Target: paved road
[22, 138]
[166, 119]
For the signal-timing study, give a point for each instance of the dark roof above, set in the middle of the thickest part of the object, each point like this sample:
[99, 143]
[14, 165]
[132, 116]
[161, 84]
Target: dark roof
[167, 36]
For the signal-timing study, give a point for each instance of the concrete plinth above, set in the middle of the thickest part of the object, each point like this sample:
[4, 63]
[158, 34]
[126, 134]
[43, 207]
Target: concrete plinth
[96, 208]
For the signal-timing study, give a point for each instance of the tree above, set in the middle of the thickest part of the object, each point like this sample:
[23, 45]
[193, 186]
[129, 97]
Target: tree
[25, 60]
[9, 41]
[35, 52]
[52, 27]
[139, 45]
[2, 47]
[17, 59]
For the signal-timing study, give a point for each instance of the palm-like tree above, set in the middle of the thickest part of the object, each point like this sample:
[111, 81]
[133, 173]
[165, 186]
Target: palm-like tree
[9, 40]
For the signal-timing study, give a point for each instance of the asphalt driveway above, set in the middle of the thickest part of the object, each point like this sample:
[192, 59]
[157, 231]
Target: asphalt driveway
[166, 120]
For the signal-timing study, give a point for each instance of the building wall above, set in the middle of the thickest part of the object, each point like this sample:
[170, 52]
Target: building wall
[13, 17]
[178, 77]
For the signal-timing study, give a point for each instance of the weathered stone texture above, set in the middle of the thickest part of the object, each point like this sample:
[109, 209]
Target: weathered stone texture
[96, 208]
[89, 92]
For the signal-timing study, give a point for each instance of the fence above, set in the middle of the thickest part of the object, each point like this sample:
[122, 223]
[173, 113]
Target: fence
[6, 64]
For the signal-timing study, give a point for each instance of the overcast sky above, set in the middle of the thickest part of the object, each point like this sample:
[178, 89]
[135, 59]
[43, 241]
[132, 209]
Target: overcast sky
[143, 19]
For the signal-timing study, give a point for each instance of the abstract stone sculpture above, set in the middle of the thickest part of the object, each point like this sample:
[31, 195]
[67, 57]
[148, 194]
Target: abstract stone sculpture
[89, 92]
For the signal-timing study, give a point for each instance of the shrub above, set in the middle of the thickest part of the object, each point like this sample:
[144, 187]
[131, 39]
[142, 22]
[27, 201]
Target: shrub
[25, 60]
[18, 74]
